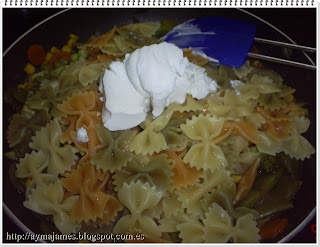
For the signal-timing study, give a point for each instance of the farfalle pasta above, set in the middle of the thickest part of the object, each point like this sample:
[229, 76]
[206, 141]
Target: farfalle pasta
[184, 176]
[94, 204]
[61, 159]
[206, 154]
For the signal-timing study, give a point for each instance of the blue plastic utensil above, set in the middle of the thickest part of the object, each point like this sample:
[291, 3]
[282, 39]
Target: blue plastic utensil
[225, 40]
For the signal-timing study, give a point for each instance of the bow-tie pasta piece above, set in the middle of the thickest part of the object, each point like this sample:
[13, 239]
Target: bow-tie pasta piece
[91, 73]
[171, 205]
[46, 100]
[147, 29]
[191, 232]
[224, 195]
[258, 85]
[157, 172]
[238, 154]
[175, 139]
[297, 146]
[21, 125]
[190, 104]
[218, 227]
[93, 203]
[32, 167]
[85, 106]
[244, 70]
[47, 199]
[183, 174]
[192, 196]
[99, 42]
[114, 156]
[48, 139]
[138, 197]
[239, 128]
[151, 140]
[230, 106]
[204, 155]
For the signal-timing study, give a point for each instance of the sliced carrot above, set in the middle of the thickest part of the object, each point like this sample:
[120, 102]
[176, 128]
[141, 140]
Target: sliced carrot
[273, 228]
[59, 55]
[247, 181]
[36, 54]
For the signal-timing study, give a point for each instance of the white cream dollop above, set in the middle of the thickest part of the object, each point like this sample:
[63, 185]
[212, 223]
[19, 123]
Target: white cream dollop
[150, 79]
[82, 135]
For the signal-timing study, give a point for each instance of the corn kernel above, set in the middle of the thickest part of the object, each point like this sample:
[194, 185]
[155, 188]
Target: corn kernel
[73, 36]
[27, 182]
[29, 69]
[256, 63]
[54, 49]
[66, 48]
[25, 86]
[71, 42]
[289, 98]
[237, 178]
[49, 55]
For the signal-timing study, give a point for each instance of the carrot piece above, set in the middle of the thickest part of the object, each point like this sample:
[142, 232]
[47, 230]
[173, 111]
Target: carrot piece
[36, 54]
[247, 181]
[273, 228]
[59, 55]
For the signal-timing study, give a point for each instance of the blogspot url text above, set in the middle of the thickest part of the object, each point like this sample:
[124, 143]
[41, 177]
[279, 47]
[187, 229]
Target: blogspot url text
[73, 237]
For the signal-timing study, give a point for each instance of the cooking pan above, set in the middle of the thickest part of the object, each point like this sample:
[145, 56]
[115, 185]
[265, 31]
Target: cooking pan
[85, 22]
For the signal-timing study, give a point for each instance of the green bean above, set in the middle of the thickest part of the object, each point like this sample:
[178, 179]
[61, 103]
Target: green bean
[271, 205]
[261, 188]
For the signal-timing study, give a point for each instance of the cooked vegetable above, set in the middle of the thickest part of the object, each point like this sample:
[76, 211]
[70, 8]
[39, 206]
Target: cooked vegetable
[261, 188]
[71, 42]
[29, 69]
[54, 49]
[66, 48]
[36, 54]
[73, 36]
[273, 228]
[58, 56]
[271, 205]
[247, 181]
[20, 94]
[268, 163]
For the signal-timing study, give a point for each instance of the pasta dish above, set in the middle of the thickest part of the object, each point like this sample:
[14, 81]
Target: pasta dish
[212, 170]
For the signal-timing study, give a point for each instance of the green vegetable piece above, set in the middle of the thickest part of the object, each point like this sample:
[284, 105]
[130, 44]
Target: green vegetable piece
[165, 26]
[82, 53]
[279, 199]
[271, 205]
[74, 57]
[20, 94]
[287, 187]
[261, 188]
[254, 149]
[268, 163]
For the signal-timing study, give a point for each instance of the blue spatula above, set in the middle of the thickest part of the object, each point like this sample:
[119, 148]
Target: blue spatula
[222, 39]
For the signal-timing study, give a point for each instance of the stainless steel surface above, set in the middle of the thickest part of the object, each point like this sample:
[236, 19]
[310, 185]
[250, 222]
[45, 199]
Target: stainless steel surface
[281, 60]
[287, 45]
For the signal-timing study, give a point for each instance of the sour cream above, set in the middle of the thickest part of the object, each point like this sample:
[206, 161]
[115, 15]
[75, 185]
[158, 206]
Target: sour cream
[82, 135]
[148, 80]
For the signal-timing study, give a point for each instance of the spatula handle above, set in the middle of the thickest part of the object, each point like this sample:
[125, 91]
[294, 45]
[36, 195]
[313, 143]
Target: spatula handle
[282, 61]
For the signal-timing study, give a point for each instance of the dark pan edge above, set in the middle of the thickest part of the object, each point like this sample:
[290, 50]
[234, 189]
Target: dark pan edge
[34, 27]
[302, 225]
